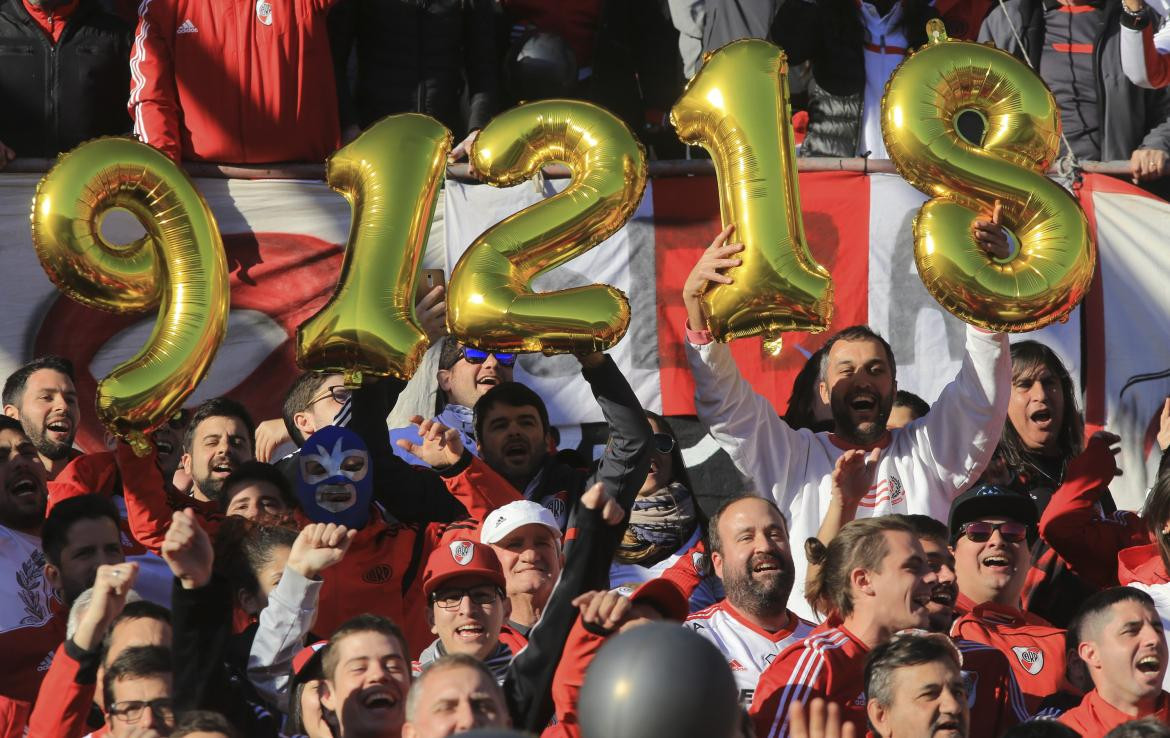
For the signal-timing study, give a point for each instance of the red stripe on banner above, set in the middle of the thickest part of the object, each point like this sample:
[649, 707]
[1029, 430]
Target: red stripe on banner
[686, 218]
[1075, 9]
[1093, 325]
[898, 50]
[1073, 48]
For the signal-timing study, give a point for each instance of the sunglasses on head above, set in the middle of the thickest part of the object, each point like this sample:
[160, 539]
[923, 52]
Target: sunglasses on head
[663, 443]
[476, 356]
[980, 532]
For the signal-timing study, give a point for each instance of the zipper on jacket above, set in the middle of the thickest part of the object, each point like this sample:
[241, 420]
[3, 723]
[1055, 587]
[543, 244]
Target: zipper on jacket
[1097, 78]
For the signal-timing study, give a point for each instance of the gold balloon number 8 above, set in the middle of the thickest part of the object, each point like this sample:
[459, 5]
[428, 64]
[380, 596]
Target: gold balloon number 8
[179, 266]
[1051, 270]
[492, 305]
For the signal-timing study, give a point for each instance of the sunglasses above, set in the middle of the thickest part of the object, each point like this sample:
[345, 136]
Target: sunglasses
[476, 356]
[663, 443]
[980, 532]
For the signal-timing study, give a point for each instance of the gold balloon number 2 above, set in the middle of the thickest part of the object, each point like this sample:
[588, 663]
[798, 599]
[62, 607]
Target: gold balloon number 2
[737, 108]
[179, 266]
[1051, 270]
[492, 305]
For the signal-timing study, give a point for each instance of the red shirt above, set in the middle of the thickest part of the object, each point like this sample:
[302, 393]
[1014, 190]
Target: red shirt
[1032, 645]
[992, 691]
[829, 664]
[1095, 717]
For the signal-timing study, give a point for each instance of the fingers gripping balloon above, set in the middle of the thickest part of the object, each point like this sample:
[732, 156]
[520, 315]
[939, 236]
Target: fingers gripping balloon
[492, 304]
[1049, 274]
[737, 108]
[179, 266]
[335, 483]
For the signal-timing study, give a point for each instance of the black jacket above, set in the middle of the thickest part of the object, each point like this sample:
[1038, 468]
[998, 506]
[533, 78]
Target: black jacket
[416, 56]
[830, 35]
[54, 97]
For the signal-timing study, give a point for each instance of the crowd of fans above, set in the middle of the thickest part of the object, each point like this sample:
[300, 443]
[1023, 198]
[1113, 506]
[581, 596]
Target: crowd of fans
[428, 561]
[265, 83]
[463, 572]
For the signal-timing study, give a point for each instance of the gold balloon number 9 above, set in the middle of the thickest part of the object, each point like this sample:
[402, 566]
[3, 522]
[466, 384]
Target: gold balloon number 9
[1050, 271]
[491, 303]
[390, 175]
[179, 266]
[737, 108]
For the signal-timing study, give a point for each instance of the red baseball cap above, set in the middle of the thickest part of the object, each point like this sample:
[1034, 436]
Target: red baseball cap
[460, 558]
[661, 594]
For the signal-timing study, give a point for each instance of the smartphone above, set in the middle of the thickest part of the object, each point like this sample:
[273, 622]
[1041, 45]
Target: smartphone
[427, 281]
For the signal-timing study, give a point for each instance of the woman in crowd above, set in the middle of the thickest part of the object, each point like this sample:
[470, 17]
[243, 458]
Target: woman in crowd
[667, 531]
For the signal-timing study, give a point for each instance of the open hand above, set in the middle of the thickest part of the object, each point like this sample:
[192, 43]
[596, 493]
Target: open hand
[852, 475]
[709, 269]
[441, 446]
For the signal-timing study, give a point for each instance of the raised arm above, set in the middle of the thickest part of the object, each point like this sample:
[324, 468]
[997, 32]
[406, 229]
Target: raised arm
[626, 461]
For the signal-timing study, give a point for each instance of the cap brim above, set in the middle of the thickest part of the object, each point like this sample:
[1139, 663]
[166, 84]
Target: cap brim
[494, 576]
[665, 596]
[1020, 508]
[503, 531]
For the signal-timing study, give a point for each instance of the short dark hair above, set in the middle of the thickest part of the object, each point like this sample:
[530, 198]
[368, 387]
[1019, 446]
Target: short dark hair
[135, 662]
[856, 333]
[300, 394]
[918, 406]
[12, 424]
[1147, 727]
[899, 652]
[55, 531]
[716, 543]
[451, 352]
[1098, 605]
[512, 394]
[1040, 729]
[14, 385]
[256, 471]
[137, 610]
[365, 623]
[925, 526]
[203, 721]
[244, 547]
[218, 407]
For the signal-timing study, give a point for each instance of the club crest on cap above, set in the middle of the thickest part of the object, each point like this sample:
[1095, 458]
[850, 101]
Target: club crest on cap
[462, 551]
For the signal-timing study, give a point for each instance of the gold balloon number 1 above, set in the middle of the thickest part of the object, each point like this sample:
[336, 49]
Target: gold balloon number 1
[1053, 266]
[179, 266]
[390, 175]
[737, 108]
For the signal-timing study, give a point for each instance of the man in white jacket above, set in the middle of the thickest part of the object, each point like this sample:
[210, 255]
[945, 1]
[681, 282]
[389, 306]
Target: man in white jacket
[919, 469]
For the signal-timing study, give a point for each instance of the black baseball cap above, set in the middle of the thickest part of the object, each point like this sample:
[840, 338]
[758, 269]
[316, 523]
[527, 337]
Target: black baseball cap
[989, 500]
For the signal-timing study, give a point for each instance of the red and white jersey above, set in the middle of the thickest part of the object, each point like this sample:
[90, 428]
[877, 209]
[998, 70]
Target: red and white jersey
[993, 694]
[830, 664]
[748, 648]
[30, 629]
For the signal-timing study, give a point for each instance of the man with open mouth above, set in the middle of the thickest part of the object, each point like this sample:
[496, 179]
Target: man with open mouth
[1119, 637]
[367, 674]
[915, 688]
[992, 530]
[41, 395]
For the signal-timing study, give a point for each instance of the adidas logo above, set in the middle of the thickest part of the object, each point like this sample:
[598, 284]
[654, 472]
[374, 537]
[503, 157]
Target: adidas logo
[735, 665]
[187, 27]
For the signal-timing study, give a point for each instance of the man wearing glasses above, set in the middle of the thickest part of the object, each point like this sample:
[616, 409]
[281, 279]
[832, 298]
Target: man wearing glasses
[464, 375]
[138, 693]
[464, 587]
[992, 530]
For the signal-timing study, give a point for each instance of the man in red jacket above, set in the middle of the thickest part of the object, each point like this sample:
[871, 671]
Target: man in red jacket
[243, 82]
[1120, 638]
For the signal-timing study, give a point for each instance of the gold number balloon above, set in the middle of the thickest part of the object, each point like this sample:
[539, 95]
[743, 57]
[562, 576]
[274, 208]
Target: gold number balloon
[491, 304]
[1049, 273]
[390, 175]
[737, 108]
[179, 265]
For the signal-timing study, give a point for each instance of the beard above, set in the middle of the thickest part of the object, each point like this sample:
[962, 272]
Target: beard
[766, 595]
[860, 433]
[209, 486]
[51, 449]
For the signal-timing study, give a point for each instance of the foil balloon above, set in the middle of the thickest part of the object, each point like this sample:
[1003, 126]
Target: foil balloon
[178, 265]
[491, 304]
[1049, 273]
[390, 175]
[737, 108]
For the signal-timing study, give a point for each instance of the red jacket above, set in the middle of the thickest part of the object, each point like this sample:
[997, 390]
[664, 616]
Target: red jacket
[238, 81]
[1141, 565]
[829, 664]
[580, 649]
[66, 695]
[992, 691]
[1095, 717]
[1074, 526]
[150, 503]
[1033, 647]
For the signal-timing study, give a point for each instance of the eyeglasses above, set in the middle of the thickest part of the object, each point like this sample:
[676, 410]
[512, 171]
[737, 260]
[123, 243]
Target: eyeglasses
[980, 532]
[449, 599]
[339, 392]
[131, 711]
[476, 356]
[663, 443]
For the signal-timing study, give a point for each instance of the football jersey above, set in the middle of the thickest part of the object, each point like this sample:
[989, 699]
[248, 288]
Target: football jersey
[748, 648]
[993, 694]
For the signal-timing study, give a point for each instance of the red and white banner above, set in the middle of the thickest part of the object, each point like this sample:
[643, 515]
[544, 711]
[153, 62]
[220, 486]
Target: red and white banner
[284, 242]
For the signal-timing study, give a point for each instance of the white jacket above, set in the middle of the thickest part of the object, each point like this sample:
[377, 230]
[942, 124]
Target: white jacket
[922, 467]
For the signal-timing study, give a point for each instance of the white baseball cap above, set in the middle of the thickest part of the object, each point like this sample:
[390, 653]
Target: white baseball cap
[503, 520]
